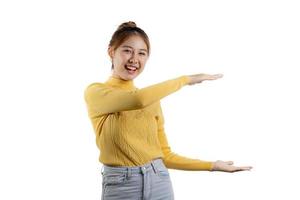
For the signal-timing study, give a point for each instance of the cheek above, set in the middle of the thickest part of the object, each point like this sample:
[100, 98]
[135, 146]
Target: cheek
[120, 60]
[124, 57]
[143, 61]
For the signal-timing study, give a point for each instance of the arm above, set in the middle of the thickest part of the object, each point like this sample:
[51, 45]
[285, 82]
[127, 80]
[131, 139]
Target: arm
[173, 160]
[102, 99]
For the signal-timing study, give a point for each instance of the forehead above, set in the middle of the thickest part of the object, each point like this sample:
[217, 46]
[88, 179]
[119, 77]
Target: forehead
[135, 42]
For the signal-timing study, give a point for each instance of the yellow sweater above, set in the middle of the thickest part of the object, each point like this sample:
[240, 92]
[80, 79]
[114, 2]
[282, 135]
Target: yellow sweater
[129, 124]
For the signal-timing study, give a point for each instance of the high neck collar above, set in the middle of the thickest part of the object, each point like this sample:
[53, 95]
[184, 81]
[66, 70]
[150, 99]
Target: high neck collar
[120, 83]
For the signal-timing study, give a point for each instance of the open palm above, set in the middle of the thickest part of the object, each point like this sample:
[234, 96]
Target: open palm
[227, 166]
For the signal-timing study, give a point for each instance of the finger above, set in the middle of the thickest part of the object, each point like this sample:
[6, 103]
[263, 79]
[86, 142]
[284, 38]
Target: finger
[214, 77]
[219, 75]
[229, 162]
[244, 168]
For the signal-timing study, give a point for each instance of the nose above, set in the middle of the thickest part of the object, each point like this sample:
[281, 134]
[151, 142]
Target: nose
[133, 59]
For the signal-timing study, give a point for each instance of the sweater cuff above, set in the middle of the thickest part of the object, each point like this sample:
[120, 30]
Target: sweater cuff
[185, 79]
[210, 166]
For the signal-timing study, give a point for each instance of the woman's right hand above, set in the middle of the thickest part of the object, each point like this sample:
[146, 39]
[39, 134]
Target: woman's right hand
[198, 78]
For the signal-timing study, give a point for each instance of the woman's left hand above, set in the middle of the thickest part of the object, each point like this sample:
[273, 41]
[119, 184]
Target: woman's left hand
[227, 166]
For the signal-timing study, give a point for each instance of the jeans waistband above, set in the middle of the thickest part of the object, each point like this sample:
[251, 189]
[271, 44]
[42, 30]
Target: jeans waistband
[134, 170]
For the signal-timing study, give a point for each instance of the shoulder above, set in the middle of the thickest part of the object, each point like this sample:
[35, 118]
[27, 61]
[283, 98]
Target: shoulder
[94, 87]
[95, 84]
[99, 89]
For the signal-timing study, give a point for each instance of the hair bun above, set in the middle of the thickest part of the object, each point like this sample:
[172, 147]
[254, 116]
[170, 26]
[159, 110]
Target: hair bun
[129, 24]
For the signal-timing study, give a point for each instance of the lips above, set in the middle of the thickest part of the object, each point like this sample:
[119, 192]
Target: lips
[131, 68]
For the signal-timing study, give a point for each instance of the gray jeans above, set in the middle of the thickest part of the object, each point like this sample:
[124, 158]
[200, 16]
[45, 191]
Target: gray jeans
[146, 182]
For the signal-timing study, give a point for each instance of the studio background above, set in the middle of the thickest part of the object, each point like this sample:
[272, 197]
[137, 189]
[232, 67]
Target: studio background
[51, 50]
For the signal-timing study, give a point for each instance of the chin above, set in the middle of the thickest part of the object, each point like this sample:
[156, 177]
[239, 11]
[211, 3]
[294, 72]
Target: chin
[129, 76]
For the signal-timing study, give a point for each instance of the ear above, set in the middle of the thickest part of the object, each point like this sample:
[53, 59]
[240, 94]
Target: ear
[110, 52]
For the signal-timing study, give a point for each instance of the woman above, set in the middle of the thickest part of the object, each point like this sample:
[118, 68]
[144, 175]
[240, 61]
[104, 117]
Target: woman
[129, 124]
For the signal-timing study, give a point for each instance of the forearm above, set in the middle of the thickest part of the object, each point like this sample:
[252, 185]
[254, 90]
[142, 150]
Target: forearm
[158, 91]
[175, 161]
[101, 99]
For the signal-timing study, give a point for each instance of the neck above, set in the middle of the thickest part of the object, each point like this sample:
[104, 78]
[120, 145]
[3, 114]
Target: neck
[120, 83]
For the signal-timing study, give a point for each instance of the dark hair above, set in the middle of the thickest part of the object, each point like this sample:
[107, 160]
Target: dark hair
[124, 31]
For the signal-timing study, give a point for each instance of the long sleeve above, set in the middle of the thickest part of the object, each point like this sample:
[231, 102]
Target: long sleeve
[102, 99]
[173, 160]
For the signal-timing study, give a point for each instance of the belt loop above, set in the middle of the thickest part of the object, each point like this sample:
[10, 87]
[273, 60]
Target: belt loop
[154, 167]
[128, 172]
[102, 170]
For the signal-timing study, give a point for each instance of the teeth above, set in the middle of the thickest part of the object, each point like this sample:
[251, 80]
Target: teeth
[131, 68]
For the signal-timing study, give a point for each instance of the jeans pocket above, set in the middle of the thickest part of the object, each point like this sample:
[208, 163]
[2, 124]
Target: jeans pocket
[164, 174]
[112, 180]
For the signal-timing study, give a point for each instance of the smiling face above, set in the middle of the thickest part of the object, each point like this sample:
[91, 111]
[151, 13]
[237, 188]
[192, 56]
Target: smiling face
[129, 58]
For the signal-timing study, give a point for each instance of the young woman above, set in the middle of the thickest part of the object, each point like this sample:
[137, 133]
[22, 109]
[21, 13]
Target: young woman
[129, 124]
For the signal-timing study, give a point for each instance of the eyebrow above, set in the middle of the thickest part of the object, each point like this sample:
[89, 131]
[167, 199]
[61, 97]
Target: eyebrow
[126, 46]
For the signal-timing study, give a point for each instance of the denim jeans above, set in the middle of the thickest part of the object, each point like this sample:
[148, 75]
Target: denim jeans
[150, 181]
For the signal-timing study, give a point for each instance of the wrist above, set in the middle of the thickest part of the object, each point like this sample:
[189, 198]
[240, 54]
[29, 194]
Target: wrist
[214, 166]
[187, 79]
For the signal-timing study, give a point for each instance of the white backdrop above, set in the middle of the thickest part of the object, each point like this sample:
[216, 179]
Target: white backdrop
[51, 50]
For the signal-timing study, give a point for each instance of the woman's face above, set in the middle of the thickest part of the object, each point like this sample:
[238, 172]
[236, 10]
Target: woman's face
[129, 58]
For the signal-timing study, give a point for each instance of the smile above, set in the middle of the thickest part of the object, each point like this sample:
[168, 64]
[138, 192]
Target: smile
[130, 68]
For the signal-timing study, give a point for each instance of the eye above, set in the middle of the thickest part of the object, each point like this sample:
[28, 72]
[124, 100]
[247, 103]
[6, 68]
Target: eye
[127, 50]
[142, 53]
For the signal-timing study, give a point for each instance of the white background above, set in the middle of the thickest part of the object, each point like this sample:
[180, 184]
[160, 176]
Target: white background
[51, 50]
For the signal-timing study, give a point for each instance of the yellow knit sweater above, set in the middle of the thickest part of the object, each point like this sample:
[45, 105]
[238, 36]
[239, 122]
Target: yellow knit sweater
[129, 124]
